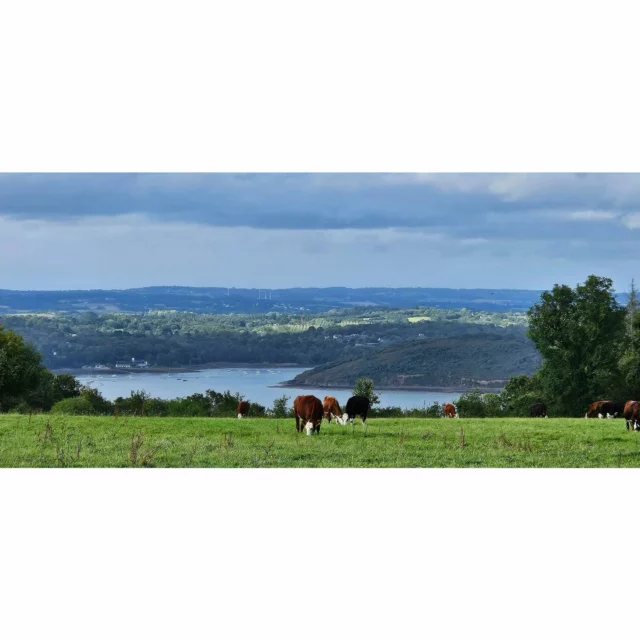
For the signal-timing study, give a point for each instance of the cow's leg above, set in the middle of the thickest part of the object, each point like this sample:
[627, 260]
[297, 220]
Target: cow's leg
[297, 423]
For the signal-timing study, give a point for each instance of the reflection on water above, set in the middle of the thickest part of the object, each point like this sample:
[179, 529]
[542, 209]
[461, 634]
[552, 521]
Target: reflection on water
[255, 384]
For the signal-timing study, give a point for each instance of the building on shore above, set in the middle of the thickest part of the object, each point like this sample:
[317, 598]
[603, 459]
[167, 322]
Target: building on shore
[132, 364]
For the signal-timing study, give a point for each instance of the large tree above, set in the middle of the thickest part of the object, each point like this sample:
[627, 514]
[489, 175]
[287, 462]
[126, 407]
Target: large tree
[24, 380]
[21, 369]
[580, 333]
[630, 359]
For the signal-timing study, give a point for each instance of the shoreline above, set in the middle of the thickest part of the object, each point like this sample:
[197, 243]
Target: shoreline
[287, 385]
[190, 369]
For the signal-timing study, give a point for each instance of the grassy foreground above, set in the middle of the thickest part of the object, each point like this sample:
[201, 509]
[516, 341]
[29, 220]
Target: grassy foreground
[65, 441]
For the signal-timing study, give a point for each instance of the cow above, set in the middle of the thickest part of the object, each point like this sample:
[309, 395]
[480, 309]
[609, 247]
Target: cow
[613, 409]
[538, 410]
[604, 409]
[332, 410]
[632, 415]
[450, 411]
[356, 406]
[595, 409]
[243, 409]
[309, 410]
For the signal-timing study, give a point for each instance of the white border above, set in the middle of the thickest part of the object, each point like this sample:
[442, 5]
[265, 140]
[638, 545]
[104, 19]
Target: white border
[336, 86]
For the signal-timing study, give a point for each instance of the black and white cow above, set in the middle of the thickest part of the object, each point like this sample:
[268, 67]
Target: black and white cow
[356, 406]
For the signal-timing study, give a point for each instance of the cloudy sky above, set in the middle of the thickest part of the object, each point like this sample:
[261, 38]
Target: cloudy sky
[69, 231]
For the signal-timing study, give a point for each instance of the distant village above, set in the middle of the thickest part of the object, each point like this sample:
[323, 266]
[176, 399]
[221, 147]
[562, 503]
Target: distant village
[121, 364]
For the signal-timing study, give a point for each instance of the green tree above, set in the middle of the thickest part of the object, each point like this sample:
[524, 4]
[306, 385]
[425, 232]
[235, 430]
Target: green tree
[630, 359]
[21, 369]
[471, 405]
[579, 333]
[520, 394]
[364, 387]
[280, 409]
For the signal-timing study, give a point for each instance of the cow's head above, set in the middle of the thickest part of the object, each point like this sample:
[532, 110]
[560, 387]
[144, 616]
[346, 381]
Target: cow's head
[340, 419]
[345, 418]
[239, 415]
[309, 427]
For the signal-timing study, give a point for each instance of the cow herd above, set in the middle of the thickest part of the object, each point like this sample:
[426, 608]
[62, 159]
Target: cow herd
[630, 411]
[310, 411]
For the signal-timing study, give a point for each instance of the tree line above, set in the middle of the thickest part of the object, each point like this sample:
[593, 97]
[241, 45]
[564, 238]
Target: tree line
[181, 339]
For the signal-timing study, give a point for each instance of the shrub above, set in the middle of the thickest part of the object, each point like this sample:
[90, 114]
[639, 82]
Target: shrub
[471, 405]
[100, 406]
[74, 407]
[387, 412]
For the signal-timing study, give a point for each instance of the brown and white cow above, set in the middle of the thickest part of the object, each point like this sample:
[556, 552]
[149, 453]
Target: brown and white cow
[632, 415]
[243, 409]
[595, 409]
[332, 410]
[450, 411]
[309, 413]
[604, 409]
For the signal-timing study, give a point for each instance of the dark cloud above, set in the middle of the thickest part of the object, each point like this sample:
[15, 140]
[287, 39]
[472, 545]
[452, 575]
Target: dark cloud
[464, 202]
[459, 230]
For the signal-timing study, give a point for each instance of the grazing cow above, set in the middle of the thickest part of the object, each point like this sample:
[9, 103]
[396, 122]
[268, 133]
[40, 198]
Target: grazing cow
[308, 409]
[356, 406]
[632, 415]
[612, 409]
[450, 411]
[332, 410]
[604, 409]
[243, 409]
[595, 409]
[538, 410]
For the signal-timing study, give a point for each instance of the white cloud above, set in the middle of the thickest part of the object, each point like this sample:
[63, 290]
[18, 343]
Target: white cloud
[631, 221]
[473, 242]
[592, 216]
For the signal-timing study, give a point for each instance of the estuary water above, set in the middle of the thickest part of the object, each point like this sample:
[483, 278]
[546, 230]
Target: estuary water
[257, 385]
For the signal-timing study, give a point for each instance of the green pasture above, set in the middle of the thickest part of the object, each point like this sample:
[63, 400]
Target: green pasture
[65, 441]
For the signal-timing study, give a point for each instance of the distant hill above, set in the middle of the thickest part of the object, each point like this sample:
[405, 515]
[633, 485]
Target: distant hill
[220, 300]
[463, 362]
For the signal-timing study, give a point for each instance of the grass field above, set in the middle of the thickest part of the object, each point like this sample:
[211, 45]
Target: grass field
[59, 441]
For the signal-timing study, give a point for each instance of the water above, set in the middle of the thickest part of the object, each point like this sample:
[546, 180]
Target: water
[257, 385]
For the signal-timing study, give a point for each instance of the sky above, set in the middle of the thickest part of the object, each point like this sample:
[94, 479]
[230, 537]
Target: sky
[510, 230]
